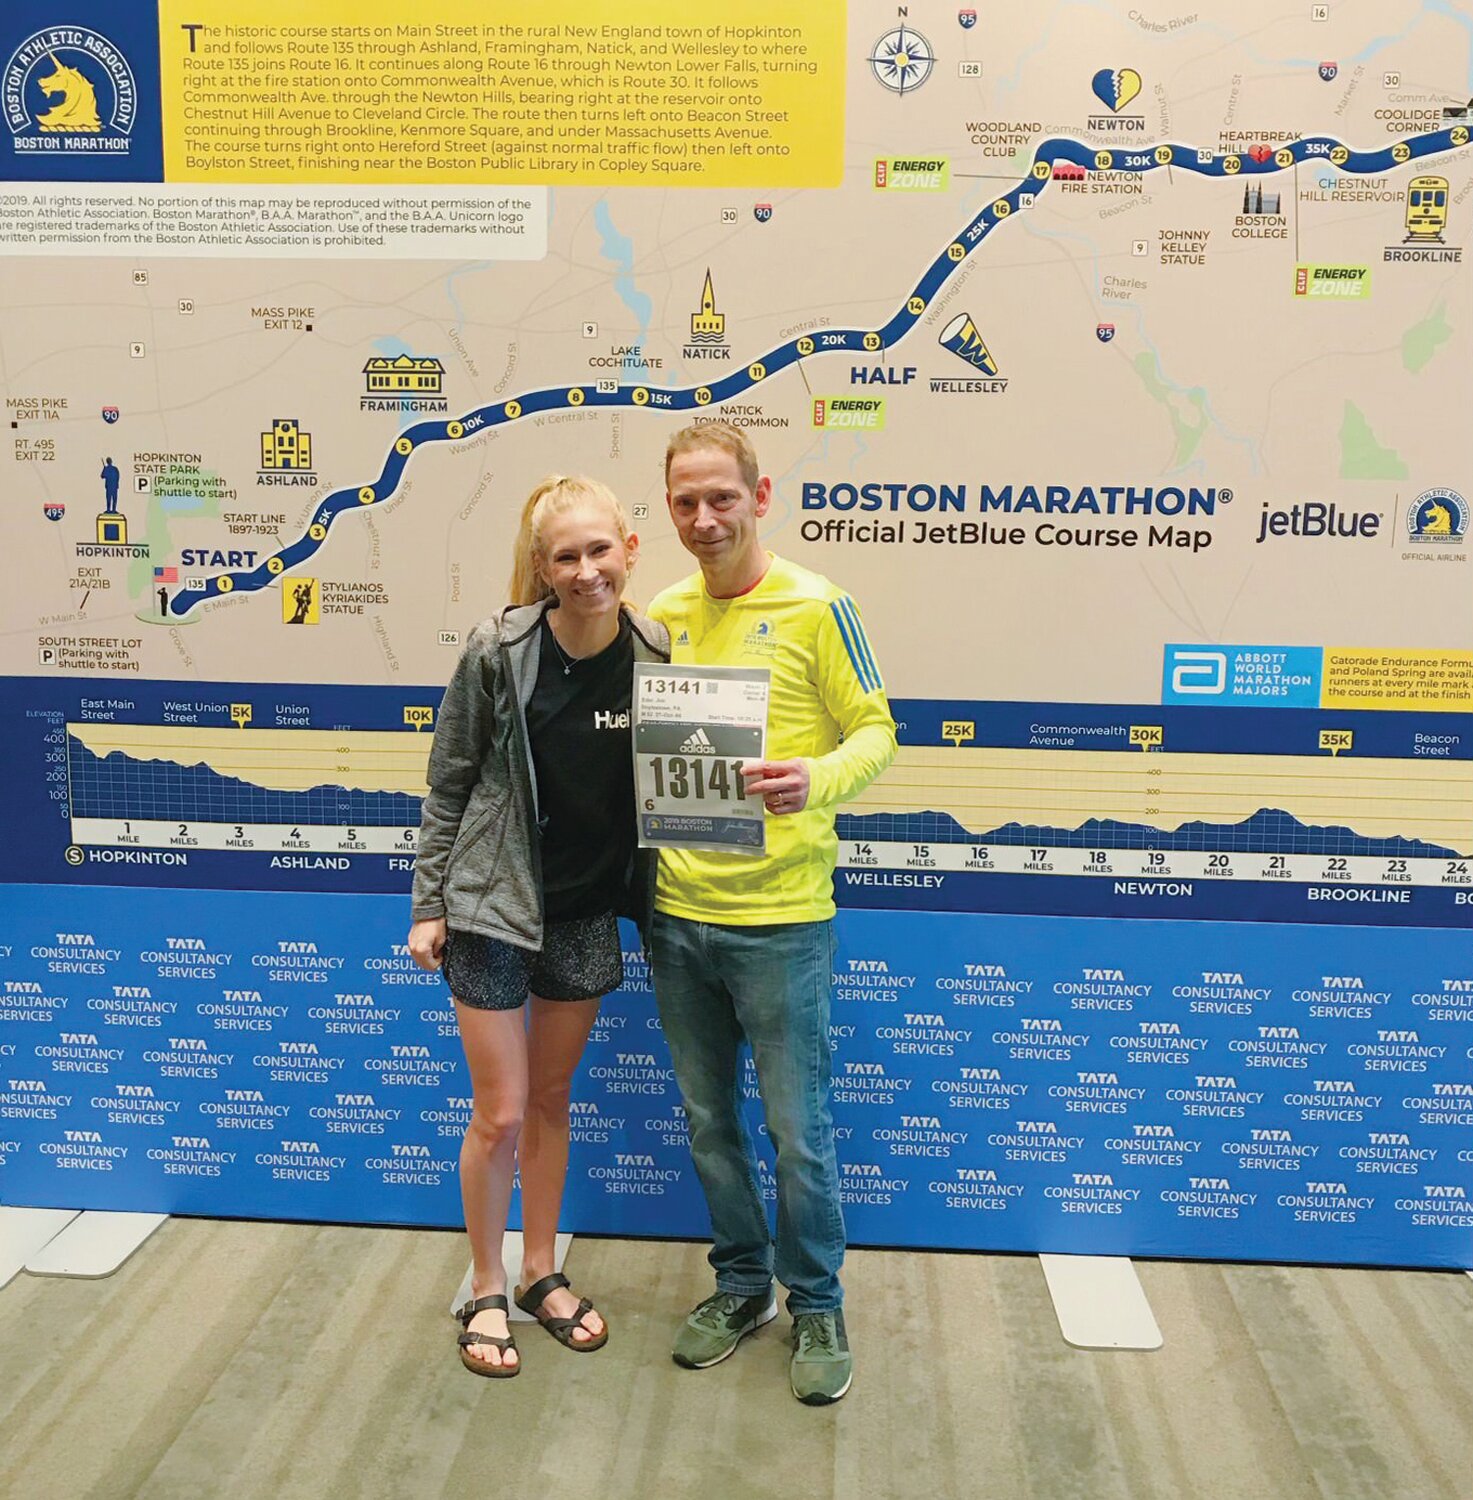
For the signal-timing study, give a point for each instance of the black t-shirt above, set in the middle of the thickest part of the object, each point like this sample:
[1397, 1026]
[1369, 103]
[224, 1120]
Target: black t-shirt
[582, 753]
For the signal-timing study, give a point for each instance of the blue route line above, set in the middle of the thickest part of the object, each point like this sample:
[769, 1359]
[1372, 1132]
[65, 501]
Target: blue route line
[693, 398]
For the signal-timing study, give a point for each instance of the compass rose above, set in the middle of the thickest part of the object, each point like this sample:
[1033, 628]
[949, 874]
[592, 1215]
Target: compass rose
[902, 59]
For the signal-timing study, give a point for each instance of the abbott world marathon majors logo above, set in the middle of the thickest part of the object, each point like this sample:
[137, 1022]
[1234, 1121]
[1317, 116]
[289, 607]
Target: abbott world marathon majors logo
[131, 1005]
[354, 1114]
[1386, 1153]
[1208, 1198]
[969, 1189]
[191, 1156]
[68, 89]
[1101, 989]
[135, 1104]
[300, 1161]
[245, 1109]
[977, 1087]
[30, 1000]
[241, 1010]
[1041, 1039]
[984, 984]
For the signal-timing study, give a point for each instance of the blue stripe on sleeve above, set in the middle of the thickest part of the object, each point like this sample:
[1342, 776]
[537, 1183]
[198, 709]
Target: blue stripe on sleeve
[856, 659]
[862, 641]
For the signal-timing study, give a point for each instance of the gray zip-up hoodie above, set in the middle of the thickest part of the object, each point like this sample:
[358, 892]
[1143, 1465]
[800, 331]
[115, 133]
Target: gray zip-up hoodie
[479, 862]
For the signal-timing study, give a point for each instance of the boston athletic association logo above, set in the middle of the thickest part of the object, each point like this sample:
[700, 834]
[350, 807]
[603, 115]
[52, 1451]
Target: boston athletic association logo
[68, 88]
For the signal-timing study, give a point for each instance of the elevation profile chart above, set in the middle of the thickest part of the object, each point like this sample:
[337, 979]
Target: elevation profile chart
[1090, 810]
[281, 790]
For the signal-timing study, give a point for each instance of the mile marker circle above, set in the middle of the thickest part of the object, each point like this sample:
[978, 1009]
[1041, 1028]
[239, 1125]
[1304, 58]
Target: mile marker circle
[956, 252]
[1401, 152]
[513, 409]
[1340, 155]
[703, 395]
[1163, 156]
[274, 565]
[1232, 165]
[1043, 170]
[640, 396]
[871, 342]
[1284, 157]
[74, 854]
[455, 429]
[916, 306]
[757, 371]
[806, 346]
[224, 584]
[1002, 208]
[403, 445]
[366, 495]
[575, 395]
[317, 531]
[1103, 161]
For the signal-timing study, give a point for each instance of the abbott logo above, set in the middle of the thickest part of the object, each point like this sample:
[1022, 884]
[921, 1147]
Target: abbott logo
[1199, 673]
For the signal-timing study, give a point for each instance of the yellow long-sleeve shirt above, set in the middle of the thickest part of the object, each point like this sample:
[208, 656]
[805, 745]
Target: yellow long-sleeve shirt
[827, 706]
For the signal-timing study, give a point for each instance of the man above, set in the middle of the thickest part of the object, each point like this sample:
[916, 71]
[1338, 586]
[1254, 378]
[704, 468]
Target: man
[742, 946]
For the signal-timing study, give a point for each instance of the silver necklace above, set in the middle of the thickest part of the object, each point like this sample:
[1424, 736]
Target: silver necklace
[569, 662]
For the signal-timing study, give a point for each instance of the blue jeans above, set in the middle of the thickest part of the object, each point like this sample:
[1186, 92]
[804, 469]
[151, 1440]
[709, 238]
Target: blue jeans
[716, 986]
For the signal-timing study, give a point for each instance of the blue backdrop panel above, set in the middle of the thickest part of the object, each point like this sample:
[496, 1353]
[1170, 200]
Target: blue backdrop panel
[1224, 1090]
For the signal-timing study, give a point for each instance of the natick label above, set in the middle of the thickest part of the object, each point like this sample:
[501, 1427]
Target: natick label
[913, 174]
[857, 413]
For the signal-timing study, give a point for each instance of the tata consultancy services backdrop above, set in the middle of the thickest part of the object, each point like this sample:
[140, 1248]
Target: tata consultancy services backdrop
[1121, 381]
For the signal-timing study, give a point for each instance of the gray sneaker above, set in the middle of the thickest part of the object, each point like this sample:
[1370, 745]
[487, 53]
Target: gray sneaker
[718, 1325]
[821, 1368]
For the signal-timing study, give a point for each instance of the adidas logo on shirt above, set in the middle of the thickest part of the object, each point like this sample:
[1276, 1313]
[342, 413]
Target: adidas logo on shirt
[698, 744]
[683, 639]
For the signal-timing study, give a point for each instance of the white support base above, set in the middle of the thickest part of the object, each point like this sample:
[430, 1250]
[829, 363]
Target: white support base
[95, 1244]
[1099, 1302]
[23, 1231]
[511, 1258]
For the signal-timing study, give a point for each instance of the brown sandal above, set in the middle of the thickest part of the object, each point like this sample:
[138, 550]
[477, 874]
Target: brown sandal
[531, 1300]
[482, 1366]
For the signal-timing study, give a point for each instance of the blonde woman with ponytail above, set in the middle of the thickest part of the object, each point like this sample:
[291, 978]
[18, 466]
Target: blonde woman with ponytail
[527, 856]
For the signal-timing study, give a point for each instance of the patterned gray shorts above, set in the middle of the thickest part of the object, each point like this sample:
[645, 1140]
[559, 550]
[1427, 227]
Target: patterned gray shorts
[580, 960]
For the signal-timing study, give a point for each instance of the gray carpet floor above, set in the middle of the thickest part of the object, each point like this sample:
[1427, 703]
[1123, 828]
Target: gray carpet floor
[266, 1360]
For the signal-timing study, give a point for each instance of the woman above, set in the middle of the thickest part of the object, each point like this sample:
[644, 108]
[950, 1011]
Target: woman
[526, 856]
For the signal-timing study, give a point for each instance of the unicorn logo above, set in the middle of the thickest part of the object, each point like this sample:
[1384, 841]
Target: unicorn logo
[78, 108]
[68, 89]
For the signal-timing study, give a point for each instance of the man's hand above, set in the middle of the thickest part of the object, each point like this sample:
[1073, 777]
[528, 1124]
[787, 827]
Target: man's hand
[427, 942]
[782, 784]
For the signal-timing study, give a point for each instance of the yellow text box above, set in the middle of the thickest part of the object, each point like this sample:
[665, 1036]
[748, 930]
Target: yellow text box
[1336, 740]
[1360, 678]
[422, 717]
[1147, 736]
[648, 93]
